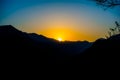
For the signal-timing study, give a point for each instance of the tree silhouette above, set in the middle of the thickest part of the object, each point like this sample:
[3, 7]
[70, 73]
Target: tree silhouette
[109, 33]
[117, 26]
[114, 31]
[108, 3]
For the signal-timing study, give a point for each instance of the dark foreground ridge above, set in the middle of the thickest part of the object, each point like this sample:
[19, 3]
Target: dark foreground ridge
[17, 47]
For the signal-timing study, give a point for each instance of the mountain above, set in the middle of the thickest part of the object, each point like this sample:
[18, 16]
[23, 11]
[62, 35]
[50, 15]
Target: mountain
[103, 51]
[17, 46]
[41, 38]
[10, 36]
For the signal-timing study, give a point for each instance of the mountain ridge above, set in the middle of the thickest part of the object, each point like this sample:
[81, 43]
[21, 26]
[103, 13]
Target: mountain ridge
[34, 45]
[32, 48]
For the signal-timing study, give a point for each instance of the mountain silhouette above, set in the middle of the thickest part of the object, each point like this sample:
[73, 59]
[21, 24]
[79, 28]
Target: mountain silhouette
[17, 47]
[103, 51]
[32, 47]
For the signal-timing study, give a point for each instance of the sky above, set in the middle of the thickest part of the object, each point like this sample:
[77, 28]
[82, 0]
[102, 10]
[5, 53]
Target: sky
[71, 20]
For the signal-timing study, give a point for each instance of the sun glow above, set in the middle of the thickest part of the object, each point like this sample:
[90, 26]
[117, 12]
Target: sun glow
[61, 33]
[60, 39]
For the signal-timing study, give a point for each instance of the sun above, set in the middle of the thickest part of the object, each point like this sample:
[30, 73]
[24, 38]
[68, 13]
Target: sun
[59, 39]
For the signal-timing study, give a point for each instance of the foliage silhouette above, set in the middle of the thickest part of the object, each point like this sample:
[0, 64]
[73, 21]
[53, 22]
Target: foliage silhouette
[108, 3]
[114, 31]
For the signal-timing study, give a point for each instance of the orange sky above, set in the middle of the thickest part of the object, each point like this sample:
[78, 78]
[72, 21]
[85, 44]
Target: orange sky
[66, 26]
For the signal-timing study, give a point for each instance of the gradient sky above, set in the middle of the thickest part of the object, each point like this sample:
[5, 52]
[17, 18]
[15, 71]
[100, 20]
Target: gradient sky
[67, 19]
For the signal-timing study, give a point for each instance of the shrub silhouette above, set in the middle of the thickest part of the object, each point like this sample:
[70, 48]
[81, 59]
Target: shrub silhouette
[117, 26]
[114, 31]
